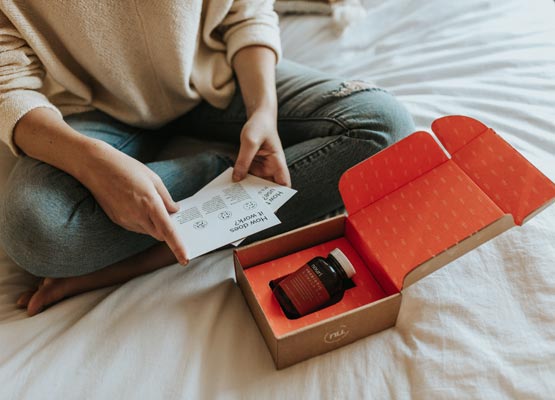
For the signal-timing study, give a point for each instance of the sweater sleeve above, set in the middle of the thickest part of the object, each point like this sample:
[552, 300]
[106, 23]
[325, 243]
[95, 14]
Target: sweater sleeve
[21, 74]
[249, 23]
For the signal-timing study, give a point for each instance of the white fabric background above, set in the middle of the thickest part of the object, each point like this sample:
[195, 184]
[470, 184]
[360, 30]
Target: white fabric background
[482, 327]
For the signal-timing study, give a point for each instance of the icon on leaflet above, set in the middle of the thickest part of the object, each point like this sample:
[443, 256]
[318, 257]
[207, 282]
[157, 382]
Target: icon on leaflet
[200, 224]
[224, 214]
[249, 205]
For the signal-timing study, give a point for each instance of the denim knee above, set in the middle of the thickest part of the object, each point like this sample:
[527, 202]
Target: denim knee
[50, 224]
[24, 233]
[370, 113]
[31, 233]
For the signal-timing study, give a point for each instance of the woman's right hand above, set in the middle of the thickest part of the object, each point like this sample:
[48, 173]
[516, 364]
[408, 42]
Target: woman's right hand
[132, 195]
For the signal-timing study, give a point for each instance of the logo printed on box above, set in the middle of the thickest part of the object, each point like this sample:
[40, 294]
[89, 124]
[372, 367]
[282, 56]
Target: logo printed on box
[337, 334]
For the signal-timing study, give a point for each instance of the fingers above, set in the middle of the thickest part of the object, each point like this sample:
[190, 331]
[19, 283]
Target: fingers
[150, 216]
[164, 227]
[149, 228]
[164, 231]
[282, 176]
[273, 168]
[247, 151]
[170, 205]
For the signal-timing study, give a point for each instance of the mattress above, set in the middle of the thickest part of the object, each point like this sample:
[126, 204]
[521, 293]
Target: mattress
[481, 327]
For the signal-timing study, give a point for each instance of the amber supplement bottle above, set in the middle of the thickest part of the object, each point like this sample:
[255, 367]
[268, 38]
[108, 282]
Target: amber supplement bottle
[314, 284]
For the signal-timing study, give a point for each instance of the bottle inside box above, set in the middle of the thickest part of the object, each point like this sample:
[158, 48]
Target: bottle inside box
[362, 290]
[346, 284]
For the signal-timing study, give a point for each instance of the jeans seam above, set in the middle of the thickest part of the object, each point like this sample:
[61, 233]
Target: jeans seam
[120, 144]
[335, 120]
[286, 119]
[319, 118]
[132, 136]
[223, 158]
[319, 149]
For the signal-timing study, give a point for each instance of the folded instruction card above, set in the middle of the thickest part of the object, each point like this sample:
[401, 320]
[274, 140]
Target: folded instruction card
[273, 194]
[225, 211]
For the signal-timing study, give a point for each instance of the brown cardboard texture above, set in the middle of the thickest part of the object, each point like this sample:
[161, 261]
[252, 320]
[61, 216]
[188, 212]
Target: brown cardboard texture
[411, 210]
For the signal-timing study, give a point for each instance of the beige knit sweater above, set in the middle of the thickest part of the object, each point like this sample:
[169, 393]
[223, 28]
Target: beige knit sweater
[143, 62]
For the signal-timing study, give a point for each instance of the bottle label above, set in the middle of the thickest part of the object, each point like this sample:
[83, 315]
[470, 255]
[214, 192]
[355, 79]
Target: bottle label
[305, 290]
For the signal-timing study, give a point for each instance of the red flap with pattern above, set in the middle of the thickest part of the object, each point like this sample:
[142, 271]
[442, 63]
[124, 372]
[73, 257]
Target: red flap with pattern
[510, 180]
[410, 202]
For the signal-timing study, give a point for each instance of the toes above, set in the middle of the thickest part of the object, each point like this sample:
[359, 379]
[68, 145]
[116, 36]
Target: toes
[48, 281]
[24, 298]
[48, 293]
[45, 282]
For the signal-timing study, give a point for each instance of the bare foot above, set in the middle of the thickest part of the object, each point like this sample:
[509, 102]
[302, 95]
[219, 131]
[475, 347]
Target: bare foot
[53, 290]
[48, 292]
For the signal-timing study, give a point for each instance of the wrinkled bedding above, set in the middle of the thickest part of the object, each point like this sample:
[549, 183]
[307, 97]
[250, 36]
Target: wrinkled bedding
[482, 327]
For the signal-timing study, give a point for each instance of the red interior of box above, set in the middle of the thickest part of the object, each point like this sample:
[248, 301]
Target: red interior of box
[410, 202]
[366, 288]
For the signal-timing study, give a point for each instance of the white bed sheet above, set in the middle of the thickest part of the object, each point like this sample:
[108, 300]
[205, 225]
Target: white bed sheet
[483, 327]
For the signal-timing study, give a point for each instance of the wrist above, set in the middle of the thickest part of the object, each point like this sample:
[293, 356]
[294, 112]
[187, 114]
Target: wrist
[255, 69]
[268, 109]
[45, 136]
[90, 153]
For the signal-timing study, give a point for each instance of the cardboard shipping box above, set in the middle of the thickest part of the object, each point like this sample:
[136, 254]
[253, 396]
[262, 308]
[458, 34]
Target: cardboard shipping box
[411, 210]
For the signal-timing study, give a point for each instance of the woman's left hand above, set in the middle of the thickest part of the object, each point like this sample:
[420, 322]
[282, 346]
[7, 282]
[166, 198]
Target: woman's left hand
[261, 152]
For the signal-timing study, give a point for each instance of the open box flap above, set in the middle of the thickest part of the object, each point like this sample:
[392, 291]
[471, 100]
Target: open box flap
[410, 203]
[388, 170]
[456, 131]
[511, 181]
[419, 221]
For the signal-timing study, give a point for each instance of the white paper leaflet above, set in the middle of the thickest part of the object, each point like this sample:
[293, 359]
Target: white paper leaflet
[224, 211]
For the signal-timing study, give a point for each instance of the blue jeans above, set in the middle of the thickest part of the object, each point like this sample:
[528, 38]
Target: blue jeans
[52, 226]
